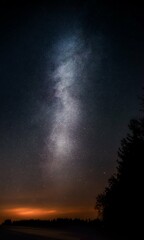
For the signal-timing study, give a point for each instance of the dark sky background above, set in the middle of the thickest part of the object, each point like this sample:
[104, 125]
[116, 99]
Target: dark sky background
[71, 75]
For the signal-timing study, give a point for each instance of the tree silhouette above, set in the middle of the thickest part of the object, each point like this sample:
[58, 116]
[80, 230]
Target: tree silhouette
[120, 204]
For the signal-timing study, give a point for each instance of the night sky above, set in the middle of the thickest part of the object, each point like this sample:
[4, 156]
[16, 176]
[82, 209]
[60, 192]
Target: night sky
[71, 75]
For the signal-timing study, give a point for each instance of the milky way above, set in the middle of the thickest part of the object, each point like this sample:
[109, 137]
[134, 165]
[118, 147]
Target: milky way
[67, 80]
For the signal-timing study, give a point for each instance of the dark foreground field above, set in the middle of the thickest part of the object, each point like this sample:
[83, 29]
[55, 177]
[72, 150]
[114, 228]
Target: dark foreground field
[27, 233]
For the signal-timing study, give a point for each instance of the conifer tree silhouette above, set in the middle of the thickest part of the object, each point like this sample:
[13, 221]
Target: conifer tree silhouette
[121, 202]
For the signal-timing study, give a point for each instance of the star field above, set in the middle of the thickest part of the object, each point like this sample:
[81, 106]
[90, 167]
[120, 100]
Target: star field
[70, 77]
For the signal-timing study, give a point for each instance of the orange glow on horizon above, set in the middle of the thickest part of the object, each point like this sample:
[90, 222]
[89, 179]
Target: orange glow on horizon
[19, 213]
[30, 212]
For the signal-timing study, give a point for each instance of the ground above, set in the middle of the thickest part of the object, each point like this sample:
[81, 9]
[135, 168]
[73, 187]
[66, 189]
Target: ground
[27, 233]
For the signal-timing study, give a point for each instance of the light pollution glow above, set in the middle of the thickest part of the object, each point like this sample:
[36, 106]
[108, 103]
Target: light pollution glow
[45, 213]
[29, 212]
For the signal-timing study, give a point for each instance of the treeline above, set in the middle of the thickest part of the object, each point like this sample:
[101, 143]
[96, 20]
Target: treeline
[55, 223]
